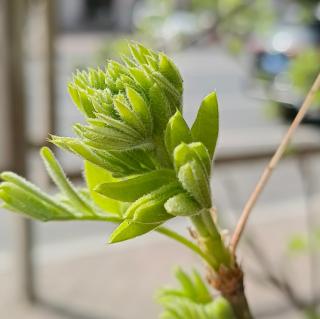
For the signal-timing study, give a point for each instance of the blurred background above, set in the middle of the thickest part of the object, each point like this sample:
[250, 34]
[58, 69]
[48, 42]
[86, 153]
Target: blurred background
[261, 57]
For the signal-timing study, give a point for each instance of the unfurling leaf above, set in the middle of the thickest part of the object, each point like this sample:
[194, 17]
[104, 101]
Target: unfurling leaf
[57, 175]
[185, 153]
[129, 116]
[206, 126]
[95, 176]
[23, 197]
[170, 71]
[129, 229]
[173, 94]
[141, 77]
[149, 209]
[141, 108]
[182, 205]
[131, 189]
[202, 155]
[220, 309]
[192, 300]
[118, 164]
[194, 180]
[177, 132]
[160, 109]
[81, 99]
[110, 139]
[119, 125]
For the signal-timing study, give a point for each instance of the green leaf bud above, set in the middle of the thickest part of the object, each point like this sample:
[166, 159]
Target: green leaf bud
[177, 132]
[206, 126]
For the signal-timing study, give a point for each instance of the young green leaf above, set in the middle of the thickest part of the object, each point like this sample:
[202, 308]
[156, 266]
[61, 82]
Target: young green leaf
[185, 153]
[109, 139]
[129, 116]
[94, 176]
[25, 197]
[206, 126]
[118, 68]
[128, 229]
[173, 94]
[23, 184]
[131, 189]
[23, 202]
[195, 181]
[81, 100]
[152, 212]
[58, 176]
[182, 205]
[203, 294]
[129, 63]
[170, 71]
[149, 209]
[186, 284]
[137, 54]
[141, 108]
[177, 131]
[119, 125]
[202, 155]
[160, 109]
[220, 309]
[104, 159]
[152, 62]
[141, 77]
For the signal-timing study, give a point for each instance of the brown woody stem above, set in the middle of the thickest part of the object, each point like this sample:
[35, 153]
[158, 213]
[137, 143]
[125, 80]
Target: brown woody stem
[229, 281]
[273, 163]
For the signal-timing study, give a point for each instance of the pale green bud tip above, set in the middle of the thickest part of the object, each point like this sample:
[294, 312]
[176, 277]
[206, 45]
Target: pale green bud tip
[46, 153]
[211, 97]
[55, 139]
[6, 175]
[176, 116]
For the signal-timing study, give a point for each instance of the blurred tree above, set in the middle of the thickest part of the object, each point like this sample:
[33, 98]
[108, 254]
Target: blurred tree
[229, 21]
[303, 70]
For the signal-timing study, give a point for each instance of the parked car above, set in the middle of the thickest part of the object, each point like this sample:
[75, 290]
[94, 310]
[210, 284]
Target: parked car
[272, 58]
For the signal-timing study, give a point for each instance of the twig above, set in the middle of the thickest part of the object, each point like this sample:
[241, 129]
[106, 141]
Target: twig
[280, 283]
[272, 164]
[220, 19]
[267, 273]
[234, 11]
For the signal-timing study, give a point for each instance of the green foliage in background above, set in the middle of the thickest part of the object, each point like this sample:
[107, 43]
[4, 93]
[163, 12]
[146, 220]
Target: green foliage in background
[230, 22]
[303, 70]
[302, 244]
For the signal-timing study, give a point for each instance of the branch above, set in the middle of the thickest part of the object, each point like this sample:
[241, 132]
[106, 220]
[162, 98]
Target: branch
[272, 164]
[280, 283]
[221, 19]
[234, 11]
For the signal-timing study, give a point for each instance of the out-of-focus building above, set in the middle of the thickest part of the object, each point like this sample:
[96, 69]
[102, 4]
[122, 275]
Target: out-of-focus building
[95, 14]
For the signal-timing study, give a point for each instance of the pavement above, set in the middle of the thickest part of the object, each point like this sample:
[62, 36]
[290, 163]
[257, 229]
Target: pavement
[79, 277]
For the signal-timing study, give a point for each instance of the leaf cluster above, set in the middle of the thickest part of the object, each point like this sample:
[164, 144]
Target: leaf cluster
[21, 196]
[143, 164]
[192, 300]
